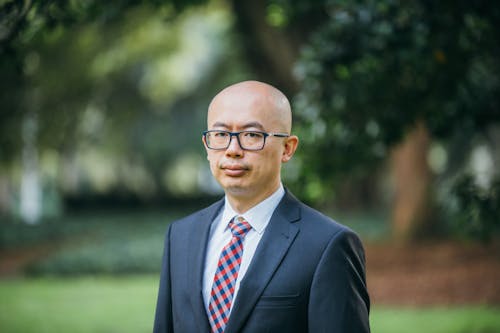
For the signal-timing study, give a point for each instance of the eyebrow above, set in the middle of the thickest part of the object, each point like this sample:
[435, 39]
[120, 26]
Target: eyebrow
[254, 124]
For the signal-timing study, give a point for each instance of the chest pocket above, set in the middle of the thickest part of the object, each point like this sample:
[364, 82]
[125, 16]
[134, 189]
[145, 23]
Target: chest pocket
[281, 301]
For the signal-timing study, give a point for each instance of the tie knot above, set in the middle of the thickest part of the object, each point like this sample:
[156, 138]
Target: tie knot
[239, 227]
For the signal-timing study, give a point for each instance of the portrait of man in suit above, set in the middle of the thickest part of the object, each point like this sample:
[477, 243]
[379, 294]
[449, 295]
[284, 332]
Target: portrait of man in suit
[258, 260]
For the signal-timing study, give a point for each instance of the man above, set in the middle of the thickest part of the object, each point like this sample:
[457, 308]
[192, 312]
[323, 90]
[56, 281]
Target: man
[258, 260]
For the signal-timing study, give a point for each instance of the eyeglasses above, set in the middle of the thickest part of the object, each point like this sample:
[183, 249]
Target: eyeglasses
[248, 140]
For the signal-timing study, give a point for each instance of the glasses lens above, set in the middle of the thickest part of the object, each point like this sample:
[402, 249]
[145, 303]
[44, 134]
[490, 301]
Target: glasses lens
[248, 140]
[218, 139]
[252, 140]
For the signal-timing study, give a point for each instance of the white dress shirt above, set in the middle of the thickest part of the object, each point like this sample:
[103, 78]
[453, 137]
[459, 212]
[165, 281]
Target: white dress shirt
[220, 234]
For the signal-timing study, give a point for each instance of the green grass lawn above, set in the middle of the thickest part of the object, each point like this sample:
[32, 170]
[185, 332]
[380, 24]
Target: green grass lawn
[126, 304]
[469, 319]
[86, 305]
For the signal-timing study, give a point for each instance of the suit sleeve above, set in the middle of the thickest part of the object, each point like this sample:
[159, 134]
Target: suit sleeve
[339, 300]
[163, 316]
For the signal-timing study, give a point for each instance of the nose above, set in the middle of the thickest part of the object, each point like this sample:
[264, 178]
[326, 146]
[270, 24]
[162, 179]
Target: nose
[234, 148]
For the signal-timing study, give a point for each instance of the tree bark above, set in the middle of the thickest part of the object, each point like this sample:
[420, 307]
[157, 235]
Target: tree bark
[269, 51]
[412, 179]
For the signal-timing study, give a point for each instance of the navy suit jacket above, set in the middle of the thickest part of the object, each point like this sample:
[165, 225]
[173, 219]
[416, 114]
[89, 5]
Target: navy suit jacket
[307, 275]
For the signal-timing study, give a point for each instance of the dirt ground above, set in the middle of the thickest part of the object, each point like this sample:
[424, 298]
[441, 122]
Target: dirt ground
[444, 273]
[439, 273]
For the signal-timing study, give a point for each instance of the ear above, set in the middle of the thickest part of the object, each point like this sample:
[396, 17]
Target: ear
[205, 145]
[291, 144]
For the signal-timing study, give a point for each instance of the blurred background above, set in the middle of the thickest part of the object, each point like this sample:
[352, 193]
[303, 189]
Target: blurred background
[102, 105]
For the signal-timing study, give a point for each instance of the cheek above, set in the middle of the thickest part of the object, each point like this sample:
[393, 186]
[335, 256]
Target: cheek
[269, 164]
[212, 155]
[212, 162]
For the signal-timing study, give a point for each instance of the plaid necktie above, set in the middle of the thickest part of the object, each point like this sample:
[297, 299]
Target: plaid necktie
[226, 274]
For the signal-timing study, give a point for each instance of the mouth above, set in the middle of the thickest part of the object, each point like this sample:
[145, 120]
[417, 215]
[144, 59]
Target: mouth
[234, 170]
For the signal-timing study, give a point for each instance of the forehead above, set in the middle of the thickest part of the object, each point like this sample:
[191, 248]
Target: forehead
[242, 111]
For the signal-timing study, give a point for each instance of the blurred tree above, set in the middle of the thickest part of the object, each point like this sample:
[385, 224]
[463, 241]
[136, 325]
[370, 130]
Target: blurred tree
[374, 80]
[273, 33]
[112, 84]
[36, 38]
[477, 213]
[378, 79]
[379, 72]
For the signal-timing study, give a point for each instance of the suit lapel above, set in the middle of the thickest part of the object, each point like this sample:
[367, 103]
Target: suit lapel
[196, 261]
[279, 235]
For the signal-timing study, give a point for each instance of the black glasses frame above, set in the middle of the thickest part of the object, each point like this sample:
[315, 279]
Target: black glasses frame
[237, 135]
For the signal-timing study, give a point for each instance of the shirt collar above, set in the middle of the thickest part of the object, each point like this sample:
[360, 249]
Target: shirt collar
[259, 215]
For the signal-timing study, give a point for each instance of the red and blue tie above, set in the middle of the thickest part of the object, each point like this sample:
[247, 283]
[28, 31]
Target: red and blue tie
[221, 296]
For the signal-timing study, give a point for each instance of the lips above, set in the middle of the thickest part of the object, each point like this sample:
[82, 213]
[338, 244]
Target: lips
[234, 170]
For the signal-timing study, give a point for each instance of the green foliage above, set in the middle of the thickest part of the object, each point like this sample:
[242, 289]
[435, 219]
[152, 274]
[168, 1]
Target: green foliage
[114, 244]
[109, 85]
[476, 211]
[98, 243]
[376, 68]
[100, 74]
[124, 256]
[45, 63]
[17, 236]
[119, 242]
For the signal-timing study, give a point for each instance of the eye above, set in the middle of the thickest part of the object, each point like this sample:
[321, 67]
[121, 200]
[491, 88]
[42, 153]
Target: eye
[253, 135]
[219, 134]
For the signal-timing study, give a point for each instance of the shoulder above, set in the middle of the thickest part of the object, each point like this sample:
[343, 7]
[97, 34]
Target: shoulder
[311, 217]
[316, 225]
[338, 243]
[323, 224]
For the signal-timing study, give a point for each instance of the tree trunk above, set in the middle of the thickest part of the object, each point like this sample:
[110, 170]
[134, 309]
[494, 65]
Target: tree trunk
[5, 195]
[31, 194]
[268, 50]
[271, 50]
[412, 179]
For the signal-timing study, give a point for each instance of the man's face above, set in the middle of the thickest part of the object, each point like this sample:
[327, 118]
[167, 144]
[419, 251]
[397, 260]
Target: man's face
[243, 173]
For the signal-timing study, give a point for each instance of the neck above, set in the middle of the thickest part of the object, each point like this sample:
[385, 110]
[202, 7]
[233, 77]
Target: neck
[241, 203]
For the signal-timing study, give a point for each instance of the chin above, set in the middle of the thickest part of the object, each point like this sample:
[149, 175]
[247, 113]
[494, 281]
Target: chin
[232, 182]
[236, 189]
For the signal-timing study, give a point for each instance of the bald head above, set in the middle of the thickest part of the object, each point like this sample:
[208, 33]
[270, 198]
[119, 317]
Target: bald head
[255, 95]
[248, 176]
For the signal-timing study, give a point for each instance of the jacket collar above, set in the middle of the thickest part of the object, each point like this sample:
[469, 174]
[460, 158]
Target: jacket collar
[196, 261]
[277, 239]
